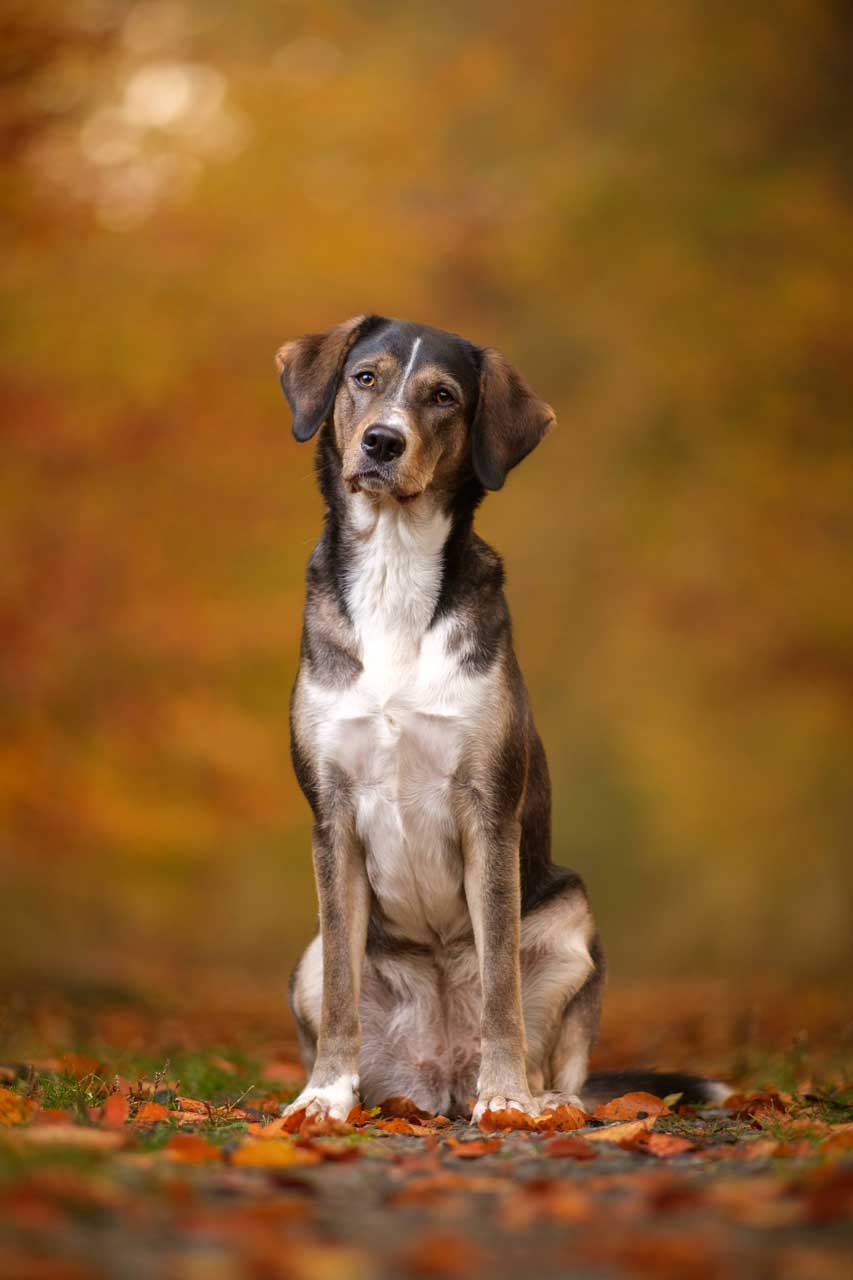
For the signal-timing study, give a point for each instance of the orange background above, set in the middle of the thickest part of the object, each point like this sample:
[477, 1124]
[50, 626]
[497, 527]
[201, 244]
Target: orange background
[649, 211]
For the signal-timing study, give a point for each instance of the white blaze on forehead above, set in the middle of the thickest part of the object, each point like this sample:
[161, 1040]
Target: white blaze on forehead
[407, 372]
[395, 414]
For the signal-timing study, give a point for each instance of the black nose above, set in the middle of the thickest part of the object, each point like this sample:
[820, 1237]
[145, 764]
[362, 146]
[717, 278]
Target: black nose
[383, 444]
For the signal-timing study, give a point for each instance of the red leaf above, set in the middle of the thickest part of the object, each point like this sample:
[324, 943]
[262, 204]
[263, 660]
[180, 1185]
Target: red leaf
[664, 1144]
[574, 1148]
[632, 1106]
[191, 1148]
[115, 1111]
[475, 1149]
[151, 1113]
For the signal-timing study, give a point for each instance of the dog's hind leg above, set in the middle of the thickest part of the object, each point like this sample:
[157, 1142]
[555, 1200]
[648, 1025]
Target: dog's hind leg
[562, 974]
[304, 995]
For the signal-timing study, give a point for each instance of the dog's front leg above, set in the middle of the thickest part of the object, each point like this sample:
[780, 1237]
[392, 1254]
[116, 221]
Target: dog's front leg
[493, 892]
[343, 893]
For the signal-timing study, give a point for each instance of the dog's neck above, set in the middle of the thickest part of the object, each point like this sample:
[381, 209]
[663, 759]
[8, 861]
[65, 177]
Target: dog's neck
[396, 567]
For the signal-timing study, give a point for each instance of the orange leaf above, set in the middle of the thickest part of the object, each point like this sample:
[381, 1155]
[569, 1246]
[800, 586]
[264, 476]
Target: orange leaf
[474, 1150]
[276, 1154]
[361, 1115]
[190, 1148]
[404, 1109]
[632, 1106]
[115, 1111]
[621, 1132]
[665, 1144]
[14, 1109]
[561, 1120]
[574, 1148]
[292, 1123]
[151, 1113]
[397, 1126]
[501, 1121]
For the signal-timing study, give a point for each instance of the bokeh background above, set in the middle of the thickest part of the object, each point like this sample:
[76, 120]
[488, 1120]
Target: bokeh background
[649, 209]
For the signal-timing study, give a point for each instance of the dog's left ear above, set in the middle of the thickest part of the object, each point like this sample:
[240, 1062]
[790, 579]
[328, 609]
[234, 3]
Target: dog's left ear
[310, 369]
[510, 420]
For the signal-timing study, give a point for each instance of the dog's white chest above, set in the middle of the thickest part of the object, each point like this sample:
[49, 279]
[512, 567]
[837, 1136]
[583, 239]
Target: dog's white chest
[398, 733]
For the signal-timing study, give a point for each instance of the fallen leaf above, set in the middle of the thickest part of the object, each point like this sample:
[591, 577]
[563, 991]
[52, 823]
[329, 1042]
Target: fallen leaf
[573, 1148]
[277, 1154]
[404, 1109]
[620, 1133]
[473, 1150]
[151, 1113]
[664, 1144]
[362, 1115]
[70, 1135]
[399, 1126]
[191, 1148]
[561, 1119]
[273, 1129]
[505, 1121]
[115, 1110]
[632, 1106]
[192, 1104]
[14, 1108]
[759, 1109]
[54, 1115]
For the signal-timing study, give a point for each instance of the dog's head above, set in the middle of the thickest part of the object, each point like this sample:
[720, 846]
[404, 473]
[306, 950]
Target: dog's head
[411, 408]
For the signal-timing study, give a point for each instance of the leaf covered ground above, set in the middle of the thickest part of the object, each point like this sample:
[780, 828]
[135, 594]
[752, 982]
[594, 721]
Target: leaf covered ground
[135, 1143]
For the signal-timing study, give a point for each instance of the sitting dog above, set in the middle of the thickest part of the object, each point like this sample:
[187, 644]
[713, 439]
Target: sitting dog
[456, 964]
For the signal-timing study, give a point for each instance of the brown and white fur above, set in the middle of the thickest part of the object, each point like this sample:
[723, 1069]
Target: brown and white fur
[455, 963]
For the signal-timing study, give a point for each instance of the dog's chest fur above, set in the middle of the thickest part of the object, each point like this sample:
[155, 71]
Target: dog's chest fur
[399, 731]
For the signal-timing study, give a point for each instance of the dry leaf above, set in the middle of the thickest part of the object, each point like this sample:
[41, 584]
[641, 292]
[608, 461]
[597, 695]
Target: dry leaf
[620, 1133]
[573, 1148]
[151, 1113]
[362, 1115]
[561, 1120]
[505, 1121]
[115, 1111]
[191, 1148]
[473, 1150]
[632, 1106]
[664, 1144]
[400, 1126]
[14, 1109]
[404, 1109]
[280, 1153]
[70, 1135]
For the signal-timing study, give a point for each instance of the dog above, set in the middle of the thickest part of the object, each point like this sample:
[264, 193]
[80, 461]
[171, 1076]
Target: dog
[455, 963]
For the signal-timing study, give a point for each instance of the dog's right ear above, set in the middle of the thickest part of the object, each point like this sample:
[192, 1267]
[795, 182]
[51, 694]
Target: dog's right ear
[310, 370]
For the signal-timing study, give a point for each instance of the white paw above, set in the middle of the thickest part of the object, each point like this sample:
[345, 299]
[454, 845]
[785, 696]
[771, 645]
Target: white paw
[505, 1102]
[326, 1102]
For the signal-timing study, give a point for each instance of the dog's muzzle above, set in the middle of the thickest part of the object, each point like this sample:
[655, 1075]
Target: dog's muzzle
[383, 444]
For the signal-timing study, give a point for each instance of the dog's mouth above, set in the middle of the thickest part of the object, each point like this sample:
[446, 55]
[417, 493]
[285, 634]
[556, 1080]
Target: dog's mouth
[380, 481]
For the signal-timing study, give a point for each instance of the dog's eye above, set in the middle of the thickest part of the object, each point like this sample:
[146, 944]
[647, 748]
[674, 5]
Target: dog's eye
[443, 396]
[366, 378]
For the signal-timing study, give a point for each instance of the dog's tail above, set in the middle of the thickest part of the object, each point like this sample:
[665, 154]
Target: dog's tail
[603, 1086]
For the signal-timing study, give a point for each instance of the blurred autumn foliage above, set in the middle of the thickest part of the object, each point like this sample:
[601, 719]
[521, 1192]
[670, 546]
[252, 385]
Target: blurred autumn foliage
[649, 210]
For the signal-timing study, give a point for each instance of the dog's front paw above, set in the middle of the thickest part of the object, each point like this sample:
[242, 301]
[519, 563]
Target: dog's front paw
[326, 1102]
[514, 1101]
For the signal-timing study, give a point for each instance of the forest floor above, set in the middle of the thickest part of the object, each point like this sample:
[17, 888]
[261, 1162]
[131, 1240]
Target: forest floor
[141, 1142]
